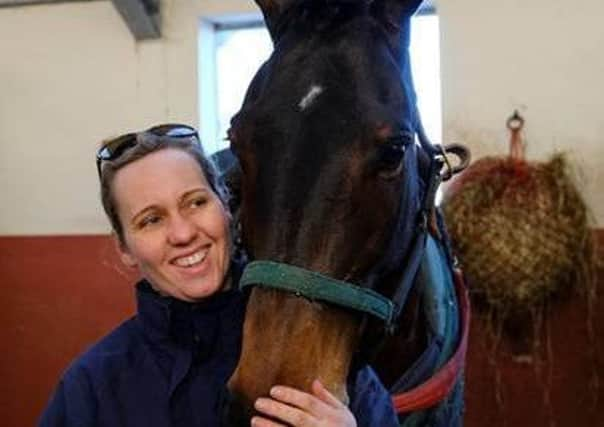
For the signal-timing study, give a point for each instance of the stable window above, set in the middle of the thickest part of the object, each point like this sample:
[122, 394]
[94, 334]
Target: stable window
[234, 50]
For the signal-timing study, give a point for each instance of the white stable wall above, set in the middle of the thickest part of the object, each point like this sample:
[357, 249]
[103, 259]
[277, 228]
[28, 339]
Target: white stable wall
[72, 74]
[542, 57]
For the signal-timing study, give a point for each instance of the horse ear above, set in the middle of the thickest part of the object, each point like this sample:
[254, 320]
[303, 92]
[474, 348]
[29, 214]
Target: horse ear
[272, 10]
[394, 11]
[395, 17]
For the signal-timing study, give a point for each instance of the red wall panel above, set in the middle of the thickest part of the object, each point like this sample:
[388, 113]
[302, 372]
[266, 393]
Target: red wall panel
[59, 295]
[562, 387]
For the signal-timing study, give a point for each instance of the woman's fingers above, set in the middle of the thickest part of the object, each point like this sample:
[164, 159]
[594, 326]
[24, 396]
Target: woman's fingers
[294, 407]
[298, 398]
[263, 422]
[322, 393]
[283, 411]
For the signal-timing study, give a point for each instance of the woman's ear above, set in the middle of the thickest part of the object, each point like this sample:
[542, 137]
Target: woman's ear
[122, 249]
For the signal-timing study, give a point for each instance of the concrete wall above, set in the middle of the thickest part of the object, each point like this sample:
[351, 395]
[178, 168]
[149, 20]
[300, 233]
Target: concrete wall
[71, 75]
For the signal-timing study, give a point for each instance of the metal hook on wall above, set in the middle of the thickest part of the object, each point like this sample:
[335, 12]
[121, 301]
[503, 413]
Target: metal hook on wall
[515, 123]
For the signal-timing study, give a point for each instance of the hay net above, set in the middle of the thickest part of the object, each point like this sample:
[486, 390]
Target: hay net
[520, 229]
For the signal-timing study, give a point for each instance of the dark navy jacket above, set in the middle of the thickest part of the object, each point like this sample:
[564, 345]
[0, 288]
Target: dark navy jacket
[167, 367]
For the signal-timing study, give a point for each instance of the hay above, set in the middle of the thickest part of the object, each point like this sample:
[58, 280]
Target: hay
[520, 229]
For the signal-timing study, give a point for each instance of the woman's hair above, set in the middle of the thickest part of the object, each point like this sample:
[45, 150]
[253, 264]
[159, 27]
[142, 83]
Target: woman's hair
[147, 143]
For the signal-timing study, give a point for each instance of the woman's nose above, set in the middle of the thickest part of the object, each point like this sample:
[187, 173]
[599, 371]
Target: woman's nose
[182, 230]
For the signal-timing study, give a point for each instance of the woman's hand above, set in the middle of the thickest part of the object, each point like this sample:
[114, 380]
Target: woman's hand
[296, 408]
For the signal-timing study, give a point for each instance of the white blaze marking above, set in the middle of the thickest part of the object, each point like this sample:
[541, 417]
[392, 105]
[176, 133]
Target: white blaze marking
[310, 97]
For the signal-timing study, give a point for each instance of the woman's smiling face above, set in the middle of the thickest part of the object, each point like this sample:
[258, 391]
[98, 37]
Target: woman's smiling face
[175, 227]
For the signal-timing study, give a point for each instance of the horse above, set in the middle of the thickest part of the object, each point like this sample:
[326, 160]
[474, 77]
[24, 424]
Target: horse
[335, 184]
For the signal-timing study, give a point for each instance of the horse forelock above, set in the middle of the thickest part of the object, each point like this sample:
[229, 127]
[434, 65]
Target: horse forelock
[312, 16]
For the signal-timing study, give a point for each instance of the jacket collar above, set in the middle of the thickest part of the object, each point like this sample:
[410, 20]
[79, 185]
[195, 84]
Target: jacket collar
[169, 321]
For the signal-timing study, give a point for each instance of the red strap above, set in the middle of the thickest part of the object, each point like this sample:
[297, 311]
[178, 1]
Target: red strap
[440, 384]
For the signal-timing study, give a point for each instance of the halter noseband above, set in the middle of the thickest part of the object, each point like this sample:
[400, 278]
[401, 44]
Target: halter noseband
[315, 286]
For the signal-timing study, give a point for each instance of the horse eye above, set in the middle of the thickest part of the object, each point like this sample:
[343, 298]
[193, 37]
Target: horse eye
[392, 152]
[391, 155]
[391, 158]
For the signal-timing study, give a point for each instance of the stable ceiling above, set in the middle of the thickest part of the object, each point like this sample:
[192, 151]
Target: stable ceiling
[142, 16]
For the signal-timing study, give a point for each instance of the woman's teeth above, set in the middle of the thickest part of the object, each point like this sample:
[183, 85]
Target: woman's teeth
[191, 260]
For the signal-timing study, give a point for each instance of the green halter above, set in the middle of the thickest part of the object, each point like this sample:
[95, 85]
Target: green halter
[315, 286]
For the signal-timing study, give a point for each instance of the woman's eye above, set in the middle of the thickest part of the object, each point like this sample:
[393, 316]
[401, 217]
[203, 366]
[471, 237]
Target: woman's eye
[197, 202]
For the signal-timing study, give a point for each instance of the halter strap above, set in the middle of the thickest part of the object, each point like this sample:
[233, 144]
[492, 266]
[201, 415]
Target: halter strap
[438, 387]
[419, 243]
[315, 286]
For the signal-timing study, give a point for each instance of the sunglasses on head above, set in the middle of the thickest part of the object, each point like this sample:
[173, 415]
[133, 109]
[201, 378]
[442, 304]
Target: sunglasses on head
[115, 147]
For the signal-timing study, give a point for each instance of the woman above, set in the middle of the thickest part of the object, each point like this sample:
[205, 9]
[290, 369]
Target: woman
[168, 365]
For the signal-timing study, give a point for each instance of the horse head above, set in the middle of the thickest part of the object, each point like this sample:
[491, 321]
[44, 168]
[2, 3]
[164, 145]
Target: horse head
[329, 182]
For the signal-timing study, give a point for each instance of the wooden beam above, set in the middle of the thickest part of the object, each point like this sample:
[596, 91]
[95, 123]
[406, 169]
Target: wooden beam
[141, 16]
[18, 3]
